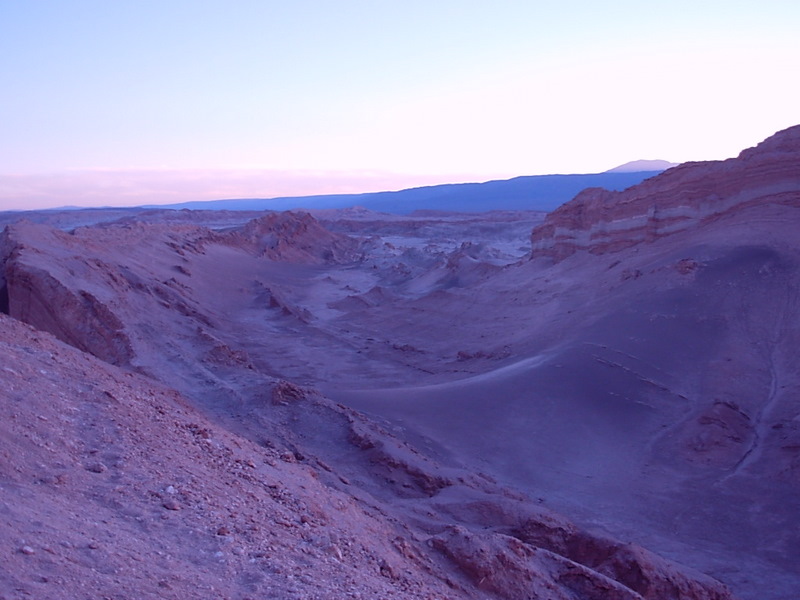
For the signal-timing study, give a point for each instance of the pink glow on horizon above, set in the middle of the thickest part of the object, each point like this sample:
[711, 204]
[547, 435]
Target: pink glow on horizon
[138, 187]
[147, 103]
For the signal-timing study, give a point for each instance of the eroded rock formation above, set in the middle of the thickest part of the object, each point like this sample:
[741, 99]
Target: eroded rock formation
[688, 195]
[294, 237]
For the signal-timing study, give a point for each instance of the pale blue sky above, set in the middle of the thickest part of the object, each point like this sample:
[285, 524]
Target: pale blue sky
[121, 102]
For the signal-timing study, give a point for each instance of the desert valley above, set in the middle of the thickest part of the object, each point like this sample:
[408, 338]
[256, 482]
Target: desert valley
[600, 402]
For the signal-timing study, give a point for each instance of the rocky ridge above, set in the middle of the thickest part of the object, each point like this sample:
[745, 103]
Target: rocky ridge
[294, 237]
[686, 196]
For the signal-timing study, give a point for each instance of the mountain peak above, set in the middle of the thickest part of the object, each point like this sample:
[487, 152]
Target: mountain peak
[636, 166]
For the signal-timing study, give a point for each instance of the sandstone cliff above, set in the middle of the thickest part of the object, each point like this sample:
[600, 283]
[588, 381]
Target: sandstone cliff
[601, 221]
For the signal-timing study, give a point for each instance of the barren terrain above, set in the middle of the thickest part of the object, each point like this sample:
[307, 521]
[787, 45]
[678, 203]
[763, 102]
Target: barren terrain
[599, 403]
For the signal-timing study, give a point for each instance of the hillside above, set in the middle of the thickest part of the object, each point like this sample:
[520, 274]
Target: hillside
[597, 403]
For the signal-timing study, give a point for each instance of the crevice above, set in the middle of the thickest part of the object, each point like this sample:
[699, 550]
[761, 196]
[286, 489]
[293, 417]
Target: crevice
[4, 303]
[758, 422]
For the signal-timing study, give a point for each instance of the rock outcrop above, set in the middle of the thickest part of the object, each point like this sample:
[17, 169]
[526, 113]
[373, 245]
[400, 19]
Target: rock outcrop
[508, 567]
[294, 237]
[601, 221]
[57, 282]
[76, 317]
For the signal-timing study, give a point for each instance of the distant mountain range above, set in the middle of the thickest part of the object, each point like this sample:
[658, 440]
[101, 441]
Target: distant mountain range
[535, 192]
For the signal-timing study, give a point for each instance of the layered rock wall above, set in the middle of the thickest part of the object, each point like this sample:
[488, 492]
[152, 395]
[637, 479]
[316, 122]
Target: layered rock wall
[602, 221]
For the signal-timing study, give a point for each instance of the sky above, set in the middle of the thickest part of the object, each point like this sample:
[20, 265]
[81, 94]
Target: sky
[123, 103]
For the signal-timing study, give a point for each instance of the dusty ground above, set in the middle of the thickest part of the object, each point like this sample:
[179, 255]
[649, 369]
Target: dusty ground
[195, 435]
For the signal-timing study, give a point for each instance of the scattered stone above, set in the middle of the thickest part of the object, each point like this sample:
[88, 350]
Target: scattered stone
[336, 552]
[27, 550]
[286, 392]
[171, 505]
[686, 266]
[96, 467]
[387, 571]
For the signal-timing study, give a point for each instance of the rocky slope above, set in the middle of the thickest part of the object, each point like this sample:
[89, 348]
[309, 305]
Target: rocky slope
[199, 384]
[688, 195]
[655, 376]
[148, 454]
